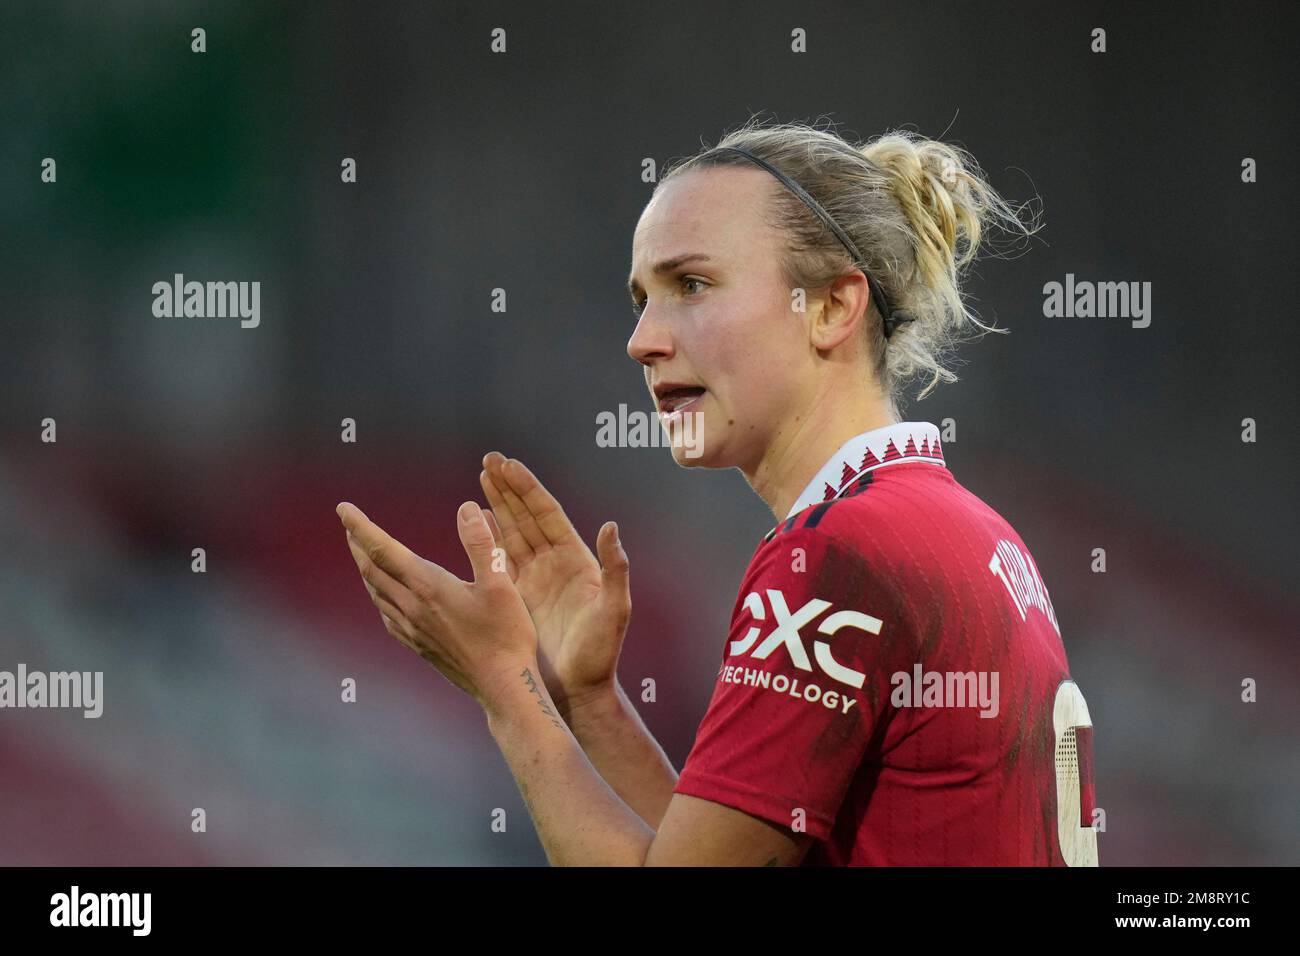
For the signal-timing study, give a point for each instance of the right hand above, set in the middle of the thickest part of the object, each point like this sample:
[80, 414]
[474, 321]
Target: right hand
[579, 606]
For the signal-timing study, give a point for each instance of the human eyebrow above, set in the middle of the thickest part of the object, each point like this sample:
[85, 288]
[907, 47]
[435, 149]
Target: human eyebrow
[668, 265]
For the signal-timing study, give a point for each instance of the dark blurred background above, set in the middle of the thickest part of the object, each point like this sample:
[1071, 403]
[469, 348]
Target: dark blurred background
[523, 171]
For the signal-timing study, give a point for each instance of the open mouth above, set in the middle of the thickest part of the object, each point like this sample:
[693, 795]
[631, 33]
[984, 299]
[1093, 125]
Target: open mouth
[679, 401]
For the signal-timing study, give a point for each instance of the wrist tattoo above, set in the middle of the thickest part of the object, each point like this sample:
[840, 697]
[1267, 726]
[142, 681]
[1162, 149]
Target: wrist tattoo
[542, 702]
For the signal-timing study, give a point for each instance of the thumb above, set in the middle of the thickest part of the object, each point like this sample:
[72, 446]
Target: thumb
[476, 537]
[614, 569]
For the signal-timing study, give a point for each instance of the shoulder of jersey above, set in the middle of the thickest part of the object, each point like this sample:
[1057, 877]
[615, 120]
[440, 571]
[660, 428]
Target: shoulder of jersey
[832, 515]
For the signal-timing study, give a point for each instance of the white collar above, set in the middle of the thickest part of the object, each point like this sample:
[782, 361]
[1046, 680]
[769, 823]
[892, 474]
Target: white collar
[890, 445]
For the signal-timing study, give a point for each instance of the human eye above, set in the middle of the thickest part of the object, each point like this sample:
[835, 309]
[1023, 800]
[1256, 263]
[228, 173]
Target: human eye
[638, 305]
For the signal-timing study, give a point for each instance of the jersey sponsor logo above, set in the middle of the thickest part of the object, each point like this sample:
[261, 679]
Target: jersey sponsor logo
[789, 686]
[785, 635]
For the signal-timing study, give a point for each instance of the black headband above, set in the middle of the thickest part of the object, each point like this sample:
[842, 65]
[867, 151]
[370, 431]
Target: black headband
[892, 319]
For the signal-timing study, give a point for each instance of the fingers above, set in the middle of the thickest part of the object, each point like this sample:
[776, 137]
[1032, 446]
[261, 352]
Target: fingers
[397, 629]
[492, 526]
[512, 538]
[377, 549]
[614, 568]
[400, 583]
[615, 586]
[386, 607]
[476, 536]
[497, 540]
[520, 516]
[550, 517]
[389, 595]
[523, 490]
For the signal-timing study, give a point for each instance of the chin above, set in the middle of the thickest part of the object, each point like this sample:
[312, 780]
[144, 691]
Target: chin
[685, 461]
[697, 454]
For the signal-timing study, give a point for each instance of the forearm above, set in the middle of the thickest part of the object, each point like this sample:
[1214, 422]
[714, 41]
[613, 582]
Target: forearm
[623, 750]
[580, 820]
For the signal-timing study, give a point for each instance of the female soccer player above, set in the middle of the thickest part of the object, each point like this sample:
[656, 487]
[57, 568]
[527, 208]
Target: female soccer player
[893, 689]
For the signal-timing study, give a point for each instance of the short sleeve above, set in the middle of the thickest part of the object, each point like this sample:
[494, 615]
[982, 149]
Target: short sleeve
[803, 687]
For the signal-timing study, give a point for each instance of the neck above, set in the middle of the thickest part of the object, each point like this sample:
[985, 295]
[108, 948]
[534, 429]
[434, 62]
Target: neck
[803, 443]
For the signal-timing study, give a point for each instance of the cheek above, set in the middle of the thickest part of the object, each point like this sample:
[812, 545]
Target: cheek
[747, 359]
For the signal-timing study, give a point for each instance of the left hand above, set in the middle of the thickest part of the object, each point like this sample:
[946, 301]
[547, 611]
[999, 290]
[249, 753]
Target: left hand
[477, 633]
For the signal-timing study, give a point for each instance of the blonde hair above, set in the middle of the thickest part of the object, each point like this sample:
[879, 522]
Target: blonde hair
[916, 208]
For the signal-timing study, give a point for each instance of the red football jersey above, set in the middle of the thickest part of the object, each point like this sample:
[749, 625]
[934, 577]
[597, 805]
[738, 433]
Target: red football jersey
[894, 682]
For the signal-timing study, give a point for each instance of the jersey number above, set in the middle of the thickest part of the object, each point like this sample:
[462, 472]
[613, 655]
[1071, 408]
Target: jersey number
[1075, 794]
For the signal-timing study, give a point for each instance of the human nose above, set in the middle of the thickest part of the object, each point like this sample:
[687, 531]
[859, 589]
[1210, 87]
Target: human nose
[652, 339]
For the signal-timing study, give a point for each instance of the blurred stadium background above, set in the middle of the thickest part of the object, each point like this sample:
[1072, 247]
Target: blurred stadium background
[522, 171]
